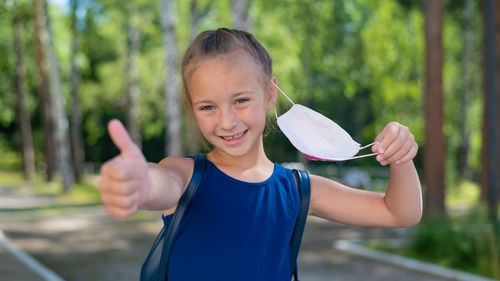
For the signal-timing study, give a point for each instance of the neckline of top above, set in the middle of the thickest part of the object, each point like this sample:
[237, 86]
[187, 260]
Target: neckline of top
[264, 182]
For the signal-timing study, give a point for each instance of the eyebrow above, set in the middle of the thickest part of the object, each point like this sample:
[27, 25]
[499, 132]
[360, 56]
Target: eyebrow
[232, 96]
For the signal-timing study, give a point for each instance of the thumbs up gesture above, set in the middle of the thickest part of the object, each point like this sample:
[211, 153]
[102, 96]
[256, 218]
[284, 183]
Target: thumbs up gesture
[124, 182]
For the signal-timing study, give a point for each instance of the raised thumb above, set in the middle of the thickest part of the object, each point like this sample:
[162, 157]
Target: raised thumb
[121, 138]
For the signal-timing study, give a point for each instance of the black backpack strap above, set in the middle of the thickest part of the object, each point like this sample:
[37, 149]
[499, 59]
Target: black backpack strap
[304, 186]
[200, 164]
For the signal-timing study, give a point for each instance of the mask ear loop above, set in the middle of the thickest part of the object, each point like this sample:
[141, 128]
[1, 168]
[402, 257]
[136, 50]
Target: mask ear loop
[289, 99]
[361, 148]
[365, 155]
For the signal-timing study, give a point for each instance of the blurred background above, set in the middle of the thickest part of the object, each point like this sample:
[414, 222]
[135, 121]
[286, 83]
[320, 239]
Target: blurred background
[70, 66]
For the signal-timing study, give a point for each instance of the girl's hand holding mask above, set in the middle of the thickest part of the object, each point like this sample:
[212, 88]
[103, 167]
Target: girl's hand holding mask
[320, 138]
[396, 145]
[124, 180]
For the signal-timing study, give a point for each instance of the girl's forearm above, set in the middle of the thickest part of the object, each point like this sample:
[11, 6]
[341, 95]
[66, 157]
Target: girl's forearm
[403, 196]
[164, 190]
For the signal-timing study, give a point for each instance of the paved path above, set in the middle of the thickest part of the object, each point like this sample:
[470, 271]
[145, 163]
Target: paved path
[85, 243]
[319, 261]
[13, 269]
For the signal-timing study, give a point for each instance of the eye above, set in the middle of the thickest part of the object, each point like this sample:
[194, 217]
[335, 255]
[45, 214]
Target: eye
[241, 100]
[206, 107]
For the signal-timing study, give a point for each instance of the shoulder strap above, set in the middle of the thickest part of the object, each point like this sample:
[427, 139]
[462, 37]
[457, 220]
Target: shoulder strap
[304, 186]
[200, 164]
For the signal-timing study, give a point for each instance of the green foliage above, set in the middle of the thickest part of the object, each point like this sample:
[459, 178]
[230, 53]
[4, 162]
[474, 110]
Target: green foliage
[358, 62]
[7, 69]
[454, 87]
[464, 194]
[10, 160]
[393, 49]
[467, 242]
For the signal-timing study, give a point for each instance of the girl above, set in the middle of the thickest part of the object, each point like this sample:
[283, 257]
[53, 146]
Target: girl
[242, 217]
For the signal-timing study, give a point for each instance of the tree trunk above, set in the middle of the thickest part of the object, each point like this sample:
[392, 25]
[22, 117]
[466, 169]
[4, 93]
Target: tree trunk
[484, 128]
[434, 150]
[42, 91]
[77, 149]
[490, 173]
[22, 111]
[241, 15]
[173, 142]
[197, 14]
[61, 134]
[468, 91]
[133, 91]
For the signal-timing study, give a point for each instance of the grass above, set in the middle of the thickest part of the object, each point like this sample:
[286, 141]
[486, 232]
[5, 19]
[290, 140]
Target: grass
[464, 194]
[10, 179]
[11, 159]
[85, 192]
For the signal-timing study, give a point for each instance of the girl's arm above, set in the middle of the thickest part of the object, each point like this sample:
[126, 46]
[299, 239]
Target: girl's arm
[400, 206]
[128, 182]
[170, 176]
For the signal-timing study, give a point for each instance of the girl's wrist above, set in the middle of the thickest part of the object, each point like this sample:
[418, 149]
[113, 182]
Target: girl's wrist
[402, 165]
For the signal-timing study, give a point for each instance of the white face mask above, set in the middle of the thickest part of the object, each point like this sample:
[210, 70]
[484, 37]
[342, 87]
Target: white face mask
[316, 136]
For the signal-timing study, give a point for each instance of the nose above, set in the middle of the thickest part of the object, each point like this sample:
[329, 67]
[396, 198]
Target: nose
[227, 120]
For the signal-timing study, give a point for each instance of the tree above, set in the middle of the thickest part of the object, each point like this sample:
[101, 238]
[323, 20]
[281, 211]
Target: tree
[133, 89]
[77, 150]
[468, 89]
[24, 122]
[42, 90]
[168, 20]
[392, 63]
[197, 13]
[434, 149]
[490, 175]
[61, 135]
[241, 14]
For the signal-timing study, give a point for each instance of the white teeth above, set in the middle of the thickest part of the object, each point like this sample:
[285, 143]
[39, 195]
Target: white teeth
[237, 136]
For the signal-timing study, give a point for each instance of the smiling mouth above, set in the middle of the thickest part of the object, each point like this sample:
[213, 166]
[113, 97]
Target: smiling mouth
[234, 137]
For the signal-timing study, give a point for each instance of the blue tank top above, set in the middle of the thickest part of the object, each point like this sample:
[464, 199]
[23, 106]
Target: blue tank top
[236, 230]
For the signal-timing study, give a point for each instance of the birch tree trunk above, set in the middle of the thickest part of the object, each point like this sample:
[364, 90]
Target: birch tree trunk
[61, 135]
[173, 141]
[195, 19]
[77, 149]
[133, 90]
[42, 91]
[434, 149]
[22, 111]
[241, 15]
[197, 14]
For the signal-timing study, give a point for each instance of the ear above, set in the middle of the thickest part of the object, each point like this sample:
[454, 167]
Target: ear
[272, 93]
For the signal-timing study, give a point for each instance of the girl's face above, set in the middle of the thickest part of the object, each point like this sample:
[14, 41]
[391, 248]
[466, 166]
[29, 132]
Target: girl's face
[229, 102]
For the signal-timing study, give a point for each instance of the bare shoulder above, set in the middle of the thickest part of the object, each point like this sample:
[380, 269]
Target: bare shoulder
[182, 166]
